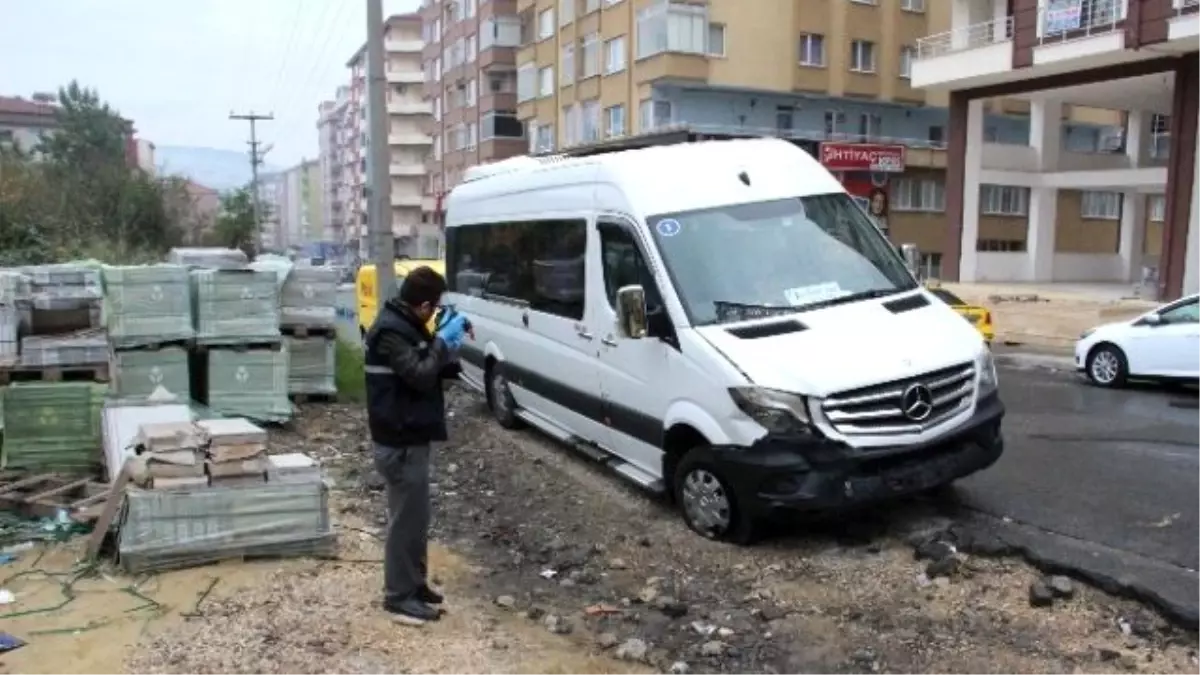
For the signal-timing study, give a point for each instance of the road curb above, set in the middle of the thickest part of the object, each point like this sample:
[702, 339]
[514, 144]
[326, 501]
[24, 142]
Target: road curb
[1169, 589]
[1027, 360]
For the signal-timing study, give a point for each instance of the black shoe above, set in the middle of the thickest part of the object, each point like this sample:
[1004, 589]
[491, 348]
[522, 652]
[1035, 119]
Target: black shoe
[430, 596]
[411, 612]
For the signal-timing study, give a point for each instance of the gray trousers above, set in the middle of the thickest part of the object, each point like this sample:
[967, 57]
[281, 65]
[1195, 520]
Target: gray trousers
[406, 550]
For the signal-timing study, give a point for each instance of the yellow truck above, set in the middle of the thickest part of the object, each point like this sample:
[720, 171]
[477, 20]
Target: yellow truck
[365, 288]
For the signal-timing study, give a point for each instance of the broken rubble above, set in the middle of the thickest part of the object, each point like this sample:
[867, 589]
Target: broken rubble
[713, 648]
[632, 649]
[1060, 585]
[1040, 594]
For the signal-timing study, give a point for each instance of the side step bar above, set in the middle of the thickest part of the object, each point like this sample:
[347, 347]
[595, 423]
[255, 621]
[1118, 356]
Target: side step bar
[594, 452]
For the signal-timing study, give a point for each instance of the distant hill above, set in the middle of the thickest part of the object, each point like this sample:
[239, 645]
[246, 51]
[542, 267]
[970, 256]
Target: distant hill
[217, 169]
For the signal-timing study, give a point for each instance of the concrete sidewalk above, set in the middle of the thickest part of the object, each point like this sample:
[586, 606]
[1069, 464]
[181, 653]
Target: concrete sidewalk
[1046, 318]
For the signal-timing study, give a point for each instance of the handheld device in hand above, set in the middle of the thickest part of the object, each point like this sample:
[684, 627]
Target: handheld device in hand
[444, 314]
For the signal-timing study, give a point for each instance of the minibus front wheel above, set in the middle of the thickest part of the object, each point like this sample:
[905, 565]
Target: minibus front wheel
[708, 502]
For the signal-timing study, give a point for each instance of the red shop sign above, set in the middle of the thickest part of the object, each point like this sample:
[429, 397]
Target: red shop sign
[863, 157]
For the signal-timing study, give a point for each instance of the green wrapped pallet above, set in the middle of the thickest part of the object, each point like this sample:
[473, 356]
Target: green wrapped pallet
[311, 366]
[235, 306]
[137, 373]
[52, 427]
[250, 383]
[147, 304]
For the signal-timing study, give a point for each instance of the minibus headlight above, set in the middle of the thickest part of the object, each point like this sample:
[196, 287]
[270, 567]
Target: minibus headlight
[779, 412]
[987, 374]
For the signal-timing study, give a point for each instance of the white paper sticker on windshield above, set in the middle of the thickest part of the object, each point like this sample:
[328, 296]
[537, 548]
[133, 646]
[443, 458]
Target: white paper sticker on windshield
[806, 295]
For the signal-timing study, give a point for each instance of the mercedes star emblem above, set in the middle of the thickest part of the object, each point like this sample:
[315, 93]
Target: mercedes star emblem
[917, 402]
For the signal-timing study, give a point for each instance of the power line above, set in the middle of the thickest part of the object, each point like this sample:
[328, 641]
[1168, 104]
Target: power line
[320, 63]
[287, 51]
[256, 155]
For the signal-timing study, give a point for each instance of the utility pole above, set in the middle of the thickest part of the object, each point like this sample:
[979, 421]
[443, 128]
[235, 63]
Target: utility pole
[379, 183]
[256, 160]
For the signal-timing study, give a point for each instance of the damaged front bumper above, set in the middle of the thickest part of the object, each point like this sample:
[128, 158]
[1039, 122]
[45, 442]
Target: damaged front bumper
[819, 474]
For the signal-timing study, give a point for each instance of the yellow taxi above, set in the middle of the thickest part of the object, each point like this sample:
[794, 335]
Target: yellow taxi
[365, 288]
[980, 317]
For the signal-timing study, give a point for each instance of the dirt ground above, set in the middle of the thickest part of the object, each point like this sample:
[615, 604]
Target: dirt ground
[552, 565]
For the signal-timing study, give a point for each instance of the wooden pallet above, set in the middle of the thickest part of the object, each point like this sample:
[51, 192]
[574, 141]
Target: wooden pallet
[91, 372]
[300, 331]
[313, 398]
[42, 495]
[152, 346]
[203, 347]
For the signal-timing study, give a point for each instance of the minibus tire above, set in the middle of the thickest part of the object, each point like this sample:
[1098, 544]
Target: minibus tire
[695, 466]
[496, 386]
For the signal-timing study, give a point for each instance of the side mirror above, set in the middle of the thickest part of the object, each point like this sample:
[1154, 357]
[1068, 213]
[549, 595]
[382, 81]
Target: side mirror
[912, 258]
[1152, 320]
[631, 312]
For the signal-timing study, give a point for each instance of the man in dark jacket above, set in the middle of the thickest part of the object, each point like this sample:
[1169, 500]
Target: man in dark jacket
[405, 366]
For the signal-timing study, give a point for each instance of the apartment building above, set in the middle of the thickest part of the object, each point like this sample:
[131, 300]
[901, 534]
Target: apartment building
[294, 210]
[330, 157]
[23, 122]
[1129, 215]
[471, 80]
[833, 76]
[409, 142]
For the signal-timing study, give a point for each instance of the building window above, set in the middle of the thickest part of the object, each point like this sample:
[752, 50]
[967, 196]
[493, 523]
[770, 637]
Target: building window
[834, 120]
[545, 24]
[907, 56]
[716, 39]
[567, 64]
[916, 194]
[784, 120]
[865, 2]
[614, 55]
[869, 125]
[812, 50]
[654, 114]
[472, 135]
[1003, 200]
[500, 124]
[670, 27]
[912, 5]
[472, 48]
[546, 81]
[499, 31]
[1158, 208]
[591, 121]
[862, 56]
[566, 11]
[1160, 124]
[1100, 205]
[931, 265]
[472, 92]
[527, 82]
[589, 51]
[937, 136]
[614, 121]
[1000, 245]
[544, 142]
[570, 120]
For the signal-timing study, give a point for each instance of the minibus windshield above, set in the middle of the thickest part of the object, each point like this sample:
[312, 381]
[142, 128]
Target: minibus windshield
[743, 261]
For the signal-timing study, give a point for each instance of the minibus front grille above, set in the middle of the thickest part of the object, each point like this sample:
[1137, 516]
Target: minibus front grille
[879, 410]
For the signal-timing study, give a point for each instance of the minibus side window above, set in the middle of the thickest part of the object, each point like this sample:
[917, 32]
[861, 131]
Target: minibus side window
[624, 266]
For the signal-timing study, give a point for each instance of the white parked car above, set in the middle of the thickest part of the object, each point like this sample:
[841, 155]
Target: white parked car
[1160, 345]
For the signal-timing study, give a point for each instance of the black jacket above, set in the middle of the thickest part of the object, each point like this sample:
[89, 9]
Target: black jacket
[405, 366]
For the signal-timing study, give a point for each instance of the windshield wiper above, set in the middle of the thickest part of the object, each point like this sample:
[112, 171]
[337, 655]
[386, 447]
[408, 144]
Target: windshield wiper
[851, 297]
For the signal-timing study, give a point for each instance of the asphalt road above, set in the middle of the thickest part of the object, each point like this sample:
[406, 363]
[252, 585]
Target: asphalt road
[1099, 483]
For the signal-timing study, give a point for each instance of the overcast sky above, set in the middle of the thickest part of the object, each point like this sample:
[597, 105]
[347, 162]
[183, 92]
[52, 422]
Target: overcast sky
[177, 68]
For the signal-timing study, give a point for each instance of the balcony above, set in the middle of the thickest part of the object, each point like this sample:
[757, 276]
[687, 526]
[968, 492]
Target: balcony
[408, 200]
[406, 170]
[403, 46]
[1184, 27]
[409, 139]
[410, 108]
[1079, 34]
[405, 77]
[960, 55]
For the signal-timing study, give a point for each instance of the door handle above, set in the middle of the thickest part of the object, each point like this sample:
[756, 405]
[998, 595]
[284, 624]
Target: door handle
[583, 333]
[609, 341]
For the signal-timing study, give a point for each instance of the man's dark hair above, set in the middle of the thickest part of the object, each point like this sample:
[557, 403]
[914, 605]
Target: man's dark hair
[422, 285]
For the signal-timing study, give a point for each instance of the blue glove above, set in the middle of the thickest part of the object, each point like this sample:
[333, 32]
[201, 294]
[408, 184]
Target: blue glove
[453, 330]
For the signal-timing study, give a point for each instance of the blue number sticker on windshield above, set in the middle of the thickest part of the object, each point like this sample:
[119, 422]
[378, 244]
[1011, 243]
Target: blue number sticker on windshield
[668, 227]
